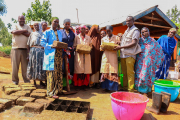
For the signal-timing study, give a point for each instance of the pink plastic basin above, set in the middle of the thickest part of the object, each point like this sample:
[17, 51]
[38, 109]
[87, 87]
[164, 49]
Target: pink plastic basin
[128, 105]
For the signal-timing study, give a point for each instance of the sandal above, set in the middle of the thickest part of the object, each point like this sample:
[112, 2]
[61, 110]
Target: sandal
[55, 97]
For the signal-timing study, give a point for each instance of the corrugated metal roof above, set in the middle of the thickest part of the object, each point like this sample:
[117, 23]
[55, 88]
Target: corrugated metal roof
[123, 18]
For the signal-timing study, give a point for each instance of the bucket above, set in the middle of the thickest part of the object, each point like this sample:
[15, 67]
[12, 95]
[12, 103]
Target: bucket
[128, 105]
[167, 86]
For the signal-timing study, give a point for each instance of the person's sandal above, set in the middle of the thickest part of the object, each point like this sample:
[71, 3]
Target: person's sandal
[55, 97]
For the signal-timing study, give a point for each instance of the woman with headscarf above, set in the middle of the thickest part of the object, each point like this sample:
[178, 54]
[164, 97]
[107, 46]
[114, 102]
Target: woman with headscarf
[95, 36]
[147, 62]
[87, 29]
[109, 63]
[53, 59]
[77, 30]
[68, 37]
[44, 26]
[82, 62]
[168, 43]
[36, 55]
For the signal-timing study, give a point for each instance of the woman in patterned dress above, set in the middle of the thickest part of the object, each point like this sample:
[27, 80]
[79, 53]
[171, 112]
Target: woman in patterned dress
[36, 55]
[53, 60]
[147, 62]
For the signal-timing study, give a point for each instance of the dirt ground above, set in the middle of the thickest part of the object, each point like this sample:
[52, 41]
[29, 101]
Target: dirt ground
[100, 104]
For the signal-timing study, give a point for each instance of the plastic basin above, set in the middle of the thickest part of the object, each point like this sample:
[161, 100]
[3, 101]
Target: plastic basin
[128, 105]
[167, 86]
[167, 83]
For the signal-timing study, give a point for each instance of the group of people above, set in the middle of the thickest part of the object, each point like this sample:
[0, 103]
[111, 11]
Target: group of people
[142, 60]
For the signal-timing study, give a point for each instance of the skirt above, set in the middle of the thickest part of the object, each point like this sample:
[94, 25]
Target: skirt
[109, 81]
[81, 79]
[35, 64]
[55, 77]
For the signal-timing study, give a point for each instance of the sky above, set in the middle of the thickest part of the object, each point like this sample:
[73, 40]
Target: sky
[89, 11]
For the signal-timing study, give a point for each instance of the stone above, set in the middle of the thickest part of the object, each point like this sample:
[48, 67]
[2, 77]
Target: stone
[40, 91]
[27, 85]
[60, 45]
[1, 107]
[23, 100]
[33, 107]
[43, 101]
[21, 94]
[7, 103]
[9, 86]
[28, 88]
[8, 91]
[13, 98]
[38, 95]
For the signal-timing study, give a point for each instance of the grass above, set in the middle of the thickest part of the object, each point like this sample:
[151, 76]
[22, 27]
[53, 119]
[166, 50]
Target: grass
[6, 49]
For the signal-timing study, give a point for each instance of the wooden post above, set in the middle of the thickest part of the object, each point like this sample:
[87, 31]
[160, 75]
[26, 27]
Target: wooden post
[66, 68]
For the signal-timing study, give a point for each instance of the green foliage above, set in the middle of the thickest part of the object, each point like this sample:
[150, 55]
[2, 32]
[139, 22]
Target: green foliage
[14, 20]
[39, 12]
[9, 25]
[5, 36]
[178, 25]
[174, 15]
[6, 49]
[3, 8]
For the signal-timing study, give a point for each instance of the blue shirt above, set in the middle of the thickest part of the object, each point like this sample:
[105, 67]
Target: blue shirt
[49, 53]
[69, 39]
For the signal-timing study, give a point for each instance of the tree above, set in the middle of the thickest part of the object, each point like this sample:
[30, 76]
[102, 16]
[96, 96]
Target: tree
[174, 16]
[3, 8]
[39, 12]
[5, 36]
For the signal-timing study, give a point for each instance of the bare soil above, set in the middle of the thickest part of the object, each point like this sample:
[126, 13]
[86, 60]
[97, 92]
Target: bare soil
[100, 104]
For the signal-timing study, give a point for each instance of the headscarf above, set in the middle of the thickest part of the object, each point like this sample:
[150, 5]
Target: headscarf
[40, 28]
[43, 22]
[109, 27]
[145, 28]
[173, 29]
[88, 26]
[145, 39]
[82, 26]
[93, 31]
[54, 18]
[66, 20]
[119, 34]
[76, 31]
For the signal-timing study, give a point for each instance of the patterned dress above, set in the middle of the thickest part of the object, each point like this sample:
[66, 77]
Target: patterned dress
[36, 56]
[55, 78]
[168, 44]
[147, 62]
